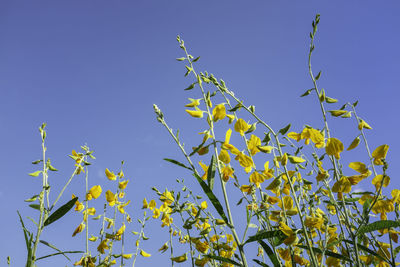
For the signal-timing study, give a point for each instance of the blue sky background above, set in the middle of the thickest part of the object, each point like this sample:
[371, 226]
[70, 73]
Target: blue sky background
[93, 69]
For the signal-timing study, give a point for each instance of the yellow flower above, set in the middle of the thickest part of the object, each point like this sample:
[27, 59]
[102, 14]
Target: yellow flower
[166, 220]
[103, 245]
[342, 186]
[94, 192]
[359, 167]
[144, 254]
[122, 206]
[164, 248]
[111, 198]
[167, 197]
[253, 144]
[381, 180]
[79, 229]
[231, 118]
[219, 112]
[363, 125]
[181, 258]
[334, 147]
[257, 178]
[127, 256]
[314, 135]
[156, 213]
[152, 204]
[201, 262]
[245, 161]
[379, 154]
[145, 204]
[241, 126]
[110, 175]
[246, 189]
[195, 113]
[202, 246]
[224, 156]
[314, 222]
[203, 205]
[78, 205]
[227, 172]
[193, 103]
[121, 230]
[122, 185]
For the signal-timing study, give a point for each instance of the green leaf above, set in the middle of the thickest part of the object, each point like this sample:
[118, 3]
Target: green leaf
[28, 241]
[219, 258]
[330, 100]
[181, 58]
[58, 253]
[177, 163]
[211, 172]
[197, 58]
[369, 251]
[270, 253]
[237, 107]
[60, 212]
[190, 87]
[261, 263]
[318, 76]
[36, 161]
[35, 206]
[35, 174]
[33, 198]
[379, 225]
[264, 234]
[214, 200]
[53, 247]
[284, 130]
[327, 252]
[307, 92]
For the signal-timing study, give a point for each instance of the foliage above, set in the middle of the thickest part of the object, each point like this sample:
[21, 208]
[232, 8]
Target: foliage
[297, 197]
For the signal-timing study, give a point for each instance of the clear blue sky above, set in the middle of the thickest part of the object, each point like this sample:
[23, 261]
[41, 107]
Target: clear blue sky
[93, 69]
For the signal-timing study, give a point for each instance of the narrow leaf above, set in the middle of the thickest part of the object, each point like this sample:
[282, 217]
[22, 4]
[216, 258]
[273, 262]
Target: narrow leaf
[33, 198]
[35, 174]
[214, 200]
[261, 263]
[53, 247]
[270, 253]
[307, 92]
[284, 130]
[379, 225]
[60, 212]
[58, 253]
[211, 172]
[219, 258]
[190, 87]
[327, 252]
[35, 206]
[177, 163]
[264, 234]
[369, 251]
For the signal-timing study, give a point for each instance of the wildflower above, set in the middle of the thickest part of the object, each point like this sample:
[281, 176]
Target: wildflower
[167, 197]
[245, 161]
[122, 185]
[181, 258]
[164, 248]
[145, 204]
[94, 192]
[78, 205]
[219, 112]
[227, 172]
[103, 246]
[362, 124]
[334, 147]
[122, 206]
[257, 178]
[241, 126]
[144, 254]
[224, 156]
[79, 229]
[203, 205]
[380, 181]
[195, 113]
[111, 198]
[110, 175]
[253, 144]
[193, 103]
[379, 154]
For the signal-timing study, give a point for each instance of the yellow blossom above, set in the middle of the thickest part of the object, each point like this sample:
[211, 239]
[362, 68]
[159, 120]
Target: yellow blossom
[122, 185]
[241, 126]
[127, 256]
[78, 205]
[144, 254]
[219, 112]
[181, 258]
[193, 103]
[363, 125]
[167, 197]
[334, 147]
[122, 206]
[79, 229]
[253, 144]
[380, 181]
[224, 156]
[195, 113]
[145, 204]
[152, 204]
[257, 178]
[110, 175]
[111, 198]
[342, 186]
[94, 192]
[379, 154]
[245, 161]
